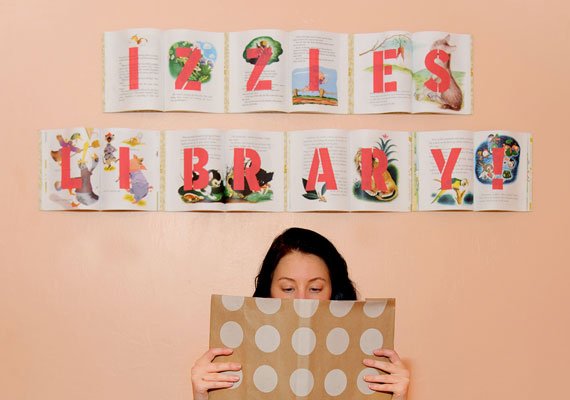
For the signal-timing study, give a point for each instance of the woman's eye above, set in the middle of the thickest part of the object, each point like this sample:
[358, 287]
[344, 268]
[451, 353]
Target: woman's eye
[315, 290]
[287, 290]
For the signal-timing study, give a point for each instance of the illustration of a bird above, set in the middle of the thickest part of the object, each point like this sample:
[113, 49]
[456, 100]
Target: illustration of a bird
[138, 40]
[458, 185]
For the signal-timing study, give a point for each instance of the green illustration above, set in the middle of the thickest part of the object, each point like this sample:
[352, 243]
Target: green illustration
[262, 43]
[203, 70]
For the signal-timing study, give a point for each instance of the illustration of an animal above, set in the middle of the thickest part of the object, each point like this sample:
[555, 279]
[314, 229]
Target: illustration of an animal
[213, 192]
[109, 158]
[139, 184]
[459, 186]
[73, 149]
[138, 40]
[391, 191]
[85, 194]
[452, 98]
[263, 178]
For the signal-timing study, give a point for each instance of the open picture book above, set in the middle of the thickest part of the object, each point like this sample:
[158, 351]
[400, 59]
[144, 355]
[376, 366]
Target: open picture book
[298, 71]
[314, 170]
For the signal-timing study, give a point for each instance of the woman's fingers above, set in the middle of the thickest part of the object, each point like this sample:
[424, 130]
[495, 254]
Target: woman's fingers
[220, 378]
[225, 366]
[396, 379]
[212, 353]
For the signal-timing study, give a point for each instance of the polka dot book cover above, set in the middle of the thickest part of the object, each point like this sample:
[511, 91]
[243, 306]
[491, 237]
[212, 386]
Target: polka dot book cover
[300, 349]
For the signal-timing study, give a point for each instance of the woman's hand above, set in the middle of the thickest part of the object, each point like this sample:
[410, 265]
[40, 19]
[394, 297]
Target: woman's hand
[397, 378]
[206, 375]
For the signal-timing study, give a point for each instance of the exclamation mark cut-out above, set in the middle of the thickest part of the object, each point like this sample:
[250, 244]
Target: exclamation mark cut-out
[498, 155]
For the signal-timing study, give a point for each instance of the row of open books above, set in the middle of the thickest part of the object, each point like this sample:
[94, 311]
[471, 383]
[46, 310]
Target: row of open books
[315, 170]
[299, 71]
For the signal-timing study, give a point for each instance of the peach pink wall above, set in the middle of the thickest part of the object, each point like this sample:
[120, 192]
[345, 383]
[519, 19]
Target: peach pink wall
[115, 305]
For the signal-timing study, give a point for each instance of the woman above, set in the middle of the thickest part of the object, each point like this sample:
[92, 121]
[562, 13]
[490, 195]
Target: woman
[301, 264]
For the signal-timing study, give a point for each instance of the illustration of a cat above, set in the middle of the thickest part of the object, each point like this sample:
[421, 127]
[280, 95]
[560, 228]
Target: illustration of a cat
[452, 98]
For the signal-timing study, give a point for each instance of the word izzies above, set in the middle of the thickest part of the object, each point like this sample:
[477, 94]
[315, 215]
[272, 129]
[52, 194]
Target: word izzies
[326, 170]
[273, 70]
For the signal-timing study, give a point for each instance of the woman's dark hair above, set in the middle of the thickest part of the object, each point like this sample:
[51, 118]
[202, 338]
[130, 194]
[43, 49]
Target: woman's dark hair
[308, 242]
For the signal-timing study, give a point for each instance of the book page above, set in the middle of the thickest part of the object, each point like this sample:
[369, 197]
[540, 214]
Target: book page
[442, 73]
[502, 183]
[456, 151]
[71, 169]
[133, 70]
[208, 192]
[326, 89]
[370, 194]
[131, 169]
[383, 72]
[317, 170]
[261, 157]
[193, 77]
[258, 82]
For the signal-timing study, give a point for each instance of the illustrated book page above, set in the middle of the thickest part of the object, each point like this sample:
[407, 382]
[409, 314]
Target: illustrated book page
[255, 176]
[70, 169]
[193, 73]
[133, 70]
[379, 165]
[318, 67]
[308, 349]
[502, 169]
[130, 170]
[195, 170]
[444, 170]
[317, 170]
[383, 78]
[257, 72]
[442, 73]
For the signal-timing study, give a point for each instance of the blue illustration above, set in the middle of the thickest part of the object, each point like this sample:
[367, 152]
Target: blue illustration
[484, 167]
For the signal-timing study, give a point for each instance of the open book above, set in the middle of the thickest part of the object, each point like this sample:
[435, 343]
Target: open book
[298, 71]
[489, 170]
[100, 169]
[316, 170]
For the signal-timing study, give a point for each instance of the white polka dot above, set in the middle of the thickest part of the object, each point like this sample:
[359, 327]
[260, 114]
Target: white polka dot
[232, 303]
[231, 334]
[337, 341]
[268, 306]
[267, 338]
[305, 308]
[371, 340]
[362, 384]
[234, 373]
[304, 341]
[335, 382]
[265, 379]
[301, 382]
[340, 308]
[375, 308]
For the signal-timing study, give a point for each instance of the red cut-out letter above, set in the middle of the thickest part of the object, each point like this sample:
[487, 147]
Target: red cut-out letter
[241, 172]
[189, 168]
[133, 68]
[368, 156]
[379, 70]
[314, 70]
[438, 70]
[446, 167]
[498, 155]
[124, 168]
[263, 55]
[182, 81]
[67, 182]
[321, 157]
